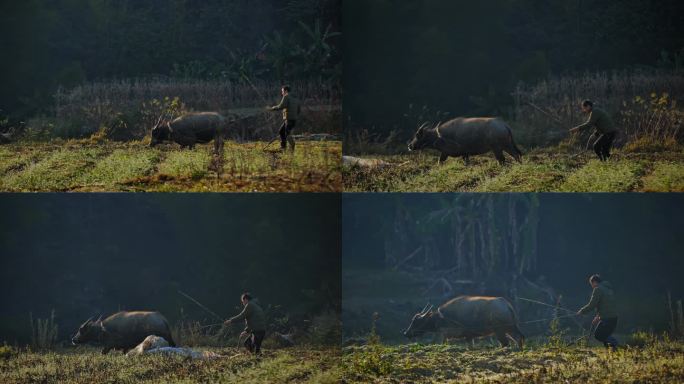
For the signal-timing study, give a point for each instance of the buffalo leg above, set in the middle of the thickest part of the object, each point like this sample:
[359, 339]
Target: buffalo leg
[514, 152]
[518, 337]
[442, 158]
[466, 159]
[218, 144]
[503, 339]
[498, 153]
[439, 338]
[291, 141]
[106, 350]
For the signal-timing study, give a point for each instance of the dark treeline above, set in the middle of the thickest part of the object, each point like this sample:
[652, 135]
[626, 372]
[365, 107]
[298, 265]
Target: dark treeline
[48, 44]
[95, 254]
[466, 57]
[633, 241]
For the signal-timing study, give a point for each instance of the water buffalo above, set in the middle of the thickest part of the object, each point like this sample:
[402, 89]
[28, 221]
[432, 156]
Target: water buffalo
[191, 128]
[468, 317]
[123, 330]
[467, 136]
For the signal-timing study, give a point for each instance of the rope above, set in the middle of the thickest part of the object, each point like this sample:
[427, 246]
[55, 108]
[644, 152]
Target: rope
[200, 304]
[548, 305]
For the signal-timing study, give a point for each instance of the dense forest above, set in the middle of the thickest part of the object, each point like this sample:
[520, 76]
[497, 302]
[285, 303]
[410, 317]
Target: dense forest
[426, 60]
[48, 44]
[92, 254]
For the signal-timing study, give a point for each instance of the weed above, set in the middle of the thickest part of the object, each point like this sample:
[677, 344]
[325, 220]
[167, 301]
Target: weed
[43, 332]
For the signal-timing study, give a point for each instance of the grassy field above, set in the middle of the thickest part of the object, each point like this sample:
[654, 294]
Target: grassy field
[88, 365]
[82, 166]
[546, 170]
[656, 362]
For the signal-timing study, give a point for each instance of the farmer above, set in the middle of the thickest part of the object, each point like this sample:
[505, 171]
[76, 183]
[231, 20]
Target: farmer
[291, 108]
[603, 300]
[604, 128]
[255, 324]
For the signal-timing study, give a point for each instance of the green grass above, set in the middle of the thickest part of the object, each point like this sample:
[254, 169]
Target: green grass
[666, 177]
[661, 362]
[59, 170]
[133, 166]
[182, 163]
[86, 365]
[607, 176]
[542, 170]
[121, 165]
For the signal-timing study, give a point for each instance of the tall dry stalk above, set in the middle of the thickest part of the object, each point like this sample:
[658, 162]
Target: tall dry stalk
[43, 332]
[126, 104]
[544, 111]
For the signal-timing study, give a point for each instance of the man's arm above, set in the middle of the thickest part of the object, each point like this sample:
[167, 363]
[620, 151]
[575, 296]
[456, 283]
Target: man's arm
[593, 302]
[591, 121]
[284, 102]
[241, 316]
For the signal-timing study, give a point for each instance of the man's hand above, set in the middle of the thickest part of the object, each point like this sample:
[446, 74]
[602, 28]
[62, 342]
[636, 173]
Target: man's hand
[596, 320]
[227, 322]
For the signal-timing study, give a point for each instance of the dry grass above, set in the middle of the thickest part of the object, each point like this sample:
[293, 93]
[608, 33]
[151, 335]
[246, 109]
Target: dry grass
[128, 109]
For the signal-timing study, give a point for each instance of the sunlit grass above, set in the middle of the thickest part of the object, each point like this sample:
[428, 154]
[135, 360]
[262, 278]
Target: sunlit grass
[59, 170]
[542, 170]
[666, 177]
[607, 176]
[133, 166]
[185, 163]
[528, 177]
[661, 362]
[119, 166]
[295, 365]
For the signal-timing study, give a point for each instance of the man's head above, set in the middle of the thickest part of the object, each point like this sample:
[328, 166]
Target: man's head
[245, 298]
[284, 90]
[595, 280]
[587, 106]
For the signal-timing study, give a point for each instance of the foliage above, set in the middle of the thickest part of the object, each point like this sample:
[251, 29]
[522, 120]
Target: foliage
[655, 118]
[67, 43]
[545, 110]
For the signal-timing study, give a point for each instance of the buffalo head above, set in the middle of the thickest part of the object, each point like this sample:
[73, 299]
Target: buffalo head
[421, 323]
[160, 132]
[424, 138]
[90, 331]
